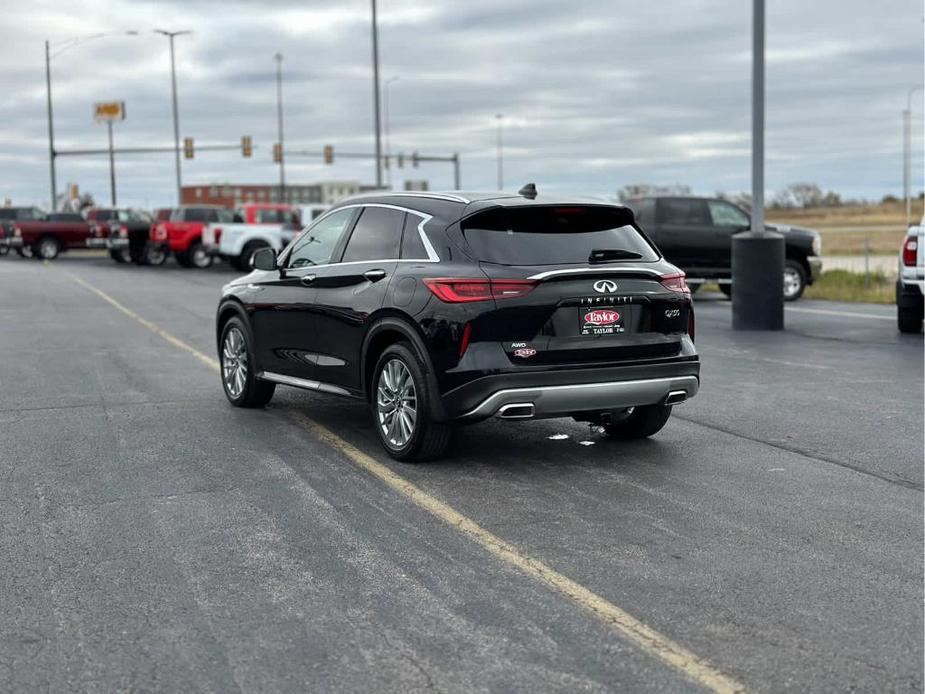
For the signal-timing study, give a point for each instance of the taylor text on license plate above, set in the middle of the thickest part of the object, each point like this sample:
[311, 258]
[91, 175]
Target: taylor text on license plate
[601, 321]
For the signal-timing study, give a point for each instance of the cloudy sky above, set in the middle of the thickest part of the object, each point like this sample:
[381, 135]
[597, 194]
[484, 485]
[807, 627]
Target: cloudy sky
[596, 94]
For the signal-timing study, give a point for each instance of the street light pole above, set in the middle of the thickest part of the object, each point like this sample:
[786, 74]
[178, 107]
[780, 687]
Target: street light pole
[279, 122]
[907, 153]
[500, 117]
[375, 31]
[176, 116]
[758, 254]
[112, 165]
[51, 129]
[388, 146]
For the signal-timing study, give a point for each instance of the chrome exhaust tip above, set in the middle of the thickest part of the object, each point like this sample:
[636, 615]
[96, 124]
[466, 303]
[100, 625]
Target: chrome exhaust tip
[676, 397]
[516, 410]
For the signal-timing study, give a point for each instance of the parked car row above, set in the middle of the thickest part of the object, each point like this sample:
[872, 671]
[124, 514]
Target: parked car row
[193, 234]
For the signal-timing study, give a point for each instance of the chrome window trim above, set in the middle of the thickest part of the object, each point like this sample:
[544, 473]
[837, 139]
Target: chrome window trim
[432, 256]
[582, 270]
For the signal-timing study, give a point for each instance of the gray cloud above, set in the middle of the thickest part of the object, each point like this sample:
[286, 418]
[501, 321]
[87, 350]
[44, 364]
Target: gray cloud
[596, 93]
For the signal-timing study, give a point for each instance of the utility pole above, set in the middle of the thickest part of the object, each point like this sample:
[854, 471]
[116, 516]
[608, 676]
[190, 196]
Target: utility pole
[500, 117]
[51, 129]
[375, 30]
[388, 145]
[279, 121]
[456, 184]
[112, 165]
[758, 254]
[907, 153]
[176, 116]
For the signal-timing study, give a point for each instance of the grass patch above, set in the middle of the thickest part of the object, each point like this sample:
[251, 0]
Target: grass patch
[880, 242]
[843, 285]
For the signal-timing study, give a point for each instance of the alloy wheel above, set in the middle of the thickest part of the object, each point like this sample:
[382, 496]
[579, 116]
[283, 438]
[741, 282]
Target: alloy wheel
[792, 282]
[396, 403]
[234, 362]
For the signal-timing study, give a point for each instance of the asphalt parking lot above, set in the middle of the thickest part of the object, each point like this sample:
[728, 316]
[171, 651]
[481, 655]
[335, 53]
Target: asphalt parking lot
[156, 539]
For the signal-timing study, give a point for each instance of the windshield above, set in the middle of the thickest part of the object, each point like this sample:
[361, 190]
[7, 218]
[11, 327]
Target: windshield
[556, 235]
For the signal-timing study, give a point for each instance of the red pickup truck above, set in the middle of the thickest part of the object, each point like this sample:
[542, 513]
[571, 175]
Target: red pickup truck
[182, 233]
[47, 235]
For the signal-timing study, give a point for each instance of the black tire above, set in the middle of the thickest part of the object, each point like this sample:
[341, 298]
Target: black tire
[46, 248]
[120, 255]
[199, 258]
[253, 391]
[639, 423]
[909, 319]
[4, 250]
[24, 252]
[154, 255]
[183, 259]
[428, 439]
[726, 289]
[243, 261]
[794, 280]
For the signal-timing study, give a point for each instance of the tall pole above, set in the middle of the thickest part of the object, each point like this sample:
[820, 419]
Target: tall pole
[388, 145]
[112, 165]
[907, 153]
[176, 119]
[176, 115]
[279, 124]
[758, 117]
[51, 129]
[378, 125]
[758, 254]
[456, 184]
[500, 117]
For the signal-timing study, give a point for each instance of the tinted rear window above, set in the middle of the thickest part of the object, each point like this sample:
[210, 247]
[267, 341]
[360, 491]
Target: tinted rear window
[553, 235]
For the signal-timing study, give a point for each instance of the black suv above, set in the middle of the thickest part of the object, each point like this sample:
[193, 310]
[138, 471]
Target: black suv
[696, 235]
[445, 308]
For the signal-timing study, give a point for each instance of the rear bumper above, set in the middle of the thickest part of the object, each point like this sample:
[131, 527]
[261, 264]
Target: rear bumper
[573, 391]
[97, 243]
[14, 242]
[560, 401]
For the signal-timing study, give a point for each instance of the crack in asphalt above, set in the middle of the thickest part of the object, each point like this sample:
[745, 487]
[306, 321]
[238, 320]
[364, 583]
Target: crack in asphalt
[891, 479]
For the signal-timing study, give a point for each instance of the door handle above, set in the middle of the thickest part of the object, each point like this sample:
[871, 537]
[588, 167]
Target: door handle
[374, 275]
[306, 280]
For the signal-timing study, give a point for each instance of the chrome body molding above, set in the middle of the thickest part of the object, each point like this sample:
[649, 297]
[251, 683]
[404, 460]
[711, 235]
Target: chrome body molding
[303, 383]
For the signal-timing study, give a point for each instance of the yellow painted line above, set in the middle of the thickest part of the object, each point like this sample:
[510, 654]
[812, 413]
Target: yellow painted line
[645, 637]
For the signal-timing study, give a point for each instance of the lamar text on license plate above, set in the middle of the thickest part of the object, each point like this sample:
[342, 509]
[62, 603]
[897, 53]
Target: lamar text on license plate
[601, 321]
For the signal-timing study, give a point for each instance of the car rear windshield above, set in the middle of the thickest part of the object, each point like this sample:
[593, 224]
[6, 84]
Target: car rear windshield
[556, 235]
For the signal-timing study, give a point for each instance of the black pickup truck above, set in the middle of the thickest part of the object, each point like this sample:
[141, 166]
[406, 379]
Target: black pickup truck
[696, 235]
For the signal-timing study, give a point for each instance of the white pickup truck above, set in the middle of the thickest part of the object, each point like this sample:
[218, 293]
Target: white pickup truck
[910, 287]
[261, 225]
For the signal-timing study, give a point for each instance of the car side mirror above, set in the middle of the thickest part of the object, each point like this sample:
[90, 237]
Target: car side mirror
[264, 259]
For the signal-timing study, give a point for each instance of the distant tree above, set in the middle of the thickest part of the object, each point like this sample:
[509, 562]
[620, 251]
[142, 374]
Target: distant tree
[886, 199]
[643, 190]
[805, 195]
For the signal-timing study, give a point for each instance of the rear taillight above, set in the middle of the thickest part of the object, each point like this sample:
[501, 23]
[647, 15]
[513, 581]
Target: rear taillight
[217, 235]
[454, 291]
[17, 231]
[123, 231]
[675, 283]
[910, 251]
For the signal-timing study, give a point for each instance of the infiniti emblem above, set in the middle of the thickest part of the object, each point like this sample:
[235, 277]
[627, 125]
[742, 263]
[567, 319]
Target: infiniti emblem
[605, 286]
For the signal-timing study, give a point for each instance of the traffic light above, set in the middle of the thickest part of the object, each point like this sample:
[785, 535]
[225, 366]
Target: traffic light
[401, 161]
[329, 154]
[188, 147]
[414, 160]
[246, 147]
[277, 152]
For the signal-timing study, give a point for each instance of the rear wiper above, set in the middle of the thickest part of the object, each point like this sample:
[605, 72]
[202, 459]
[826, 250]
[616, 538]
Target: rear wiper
[602, 255]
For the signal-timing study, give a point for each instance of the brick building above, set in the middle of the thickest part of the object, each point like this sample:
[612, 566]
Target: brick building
[234, 194]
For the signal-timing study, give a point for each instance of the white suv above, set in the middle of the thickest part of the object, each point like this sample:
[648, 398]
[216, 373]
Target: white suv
[910, 286]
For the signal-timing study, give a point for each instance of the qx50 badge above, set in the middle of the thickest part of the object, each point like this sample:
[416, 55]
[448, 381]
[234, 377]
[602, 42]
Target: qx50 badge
[605, 286]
